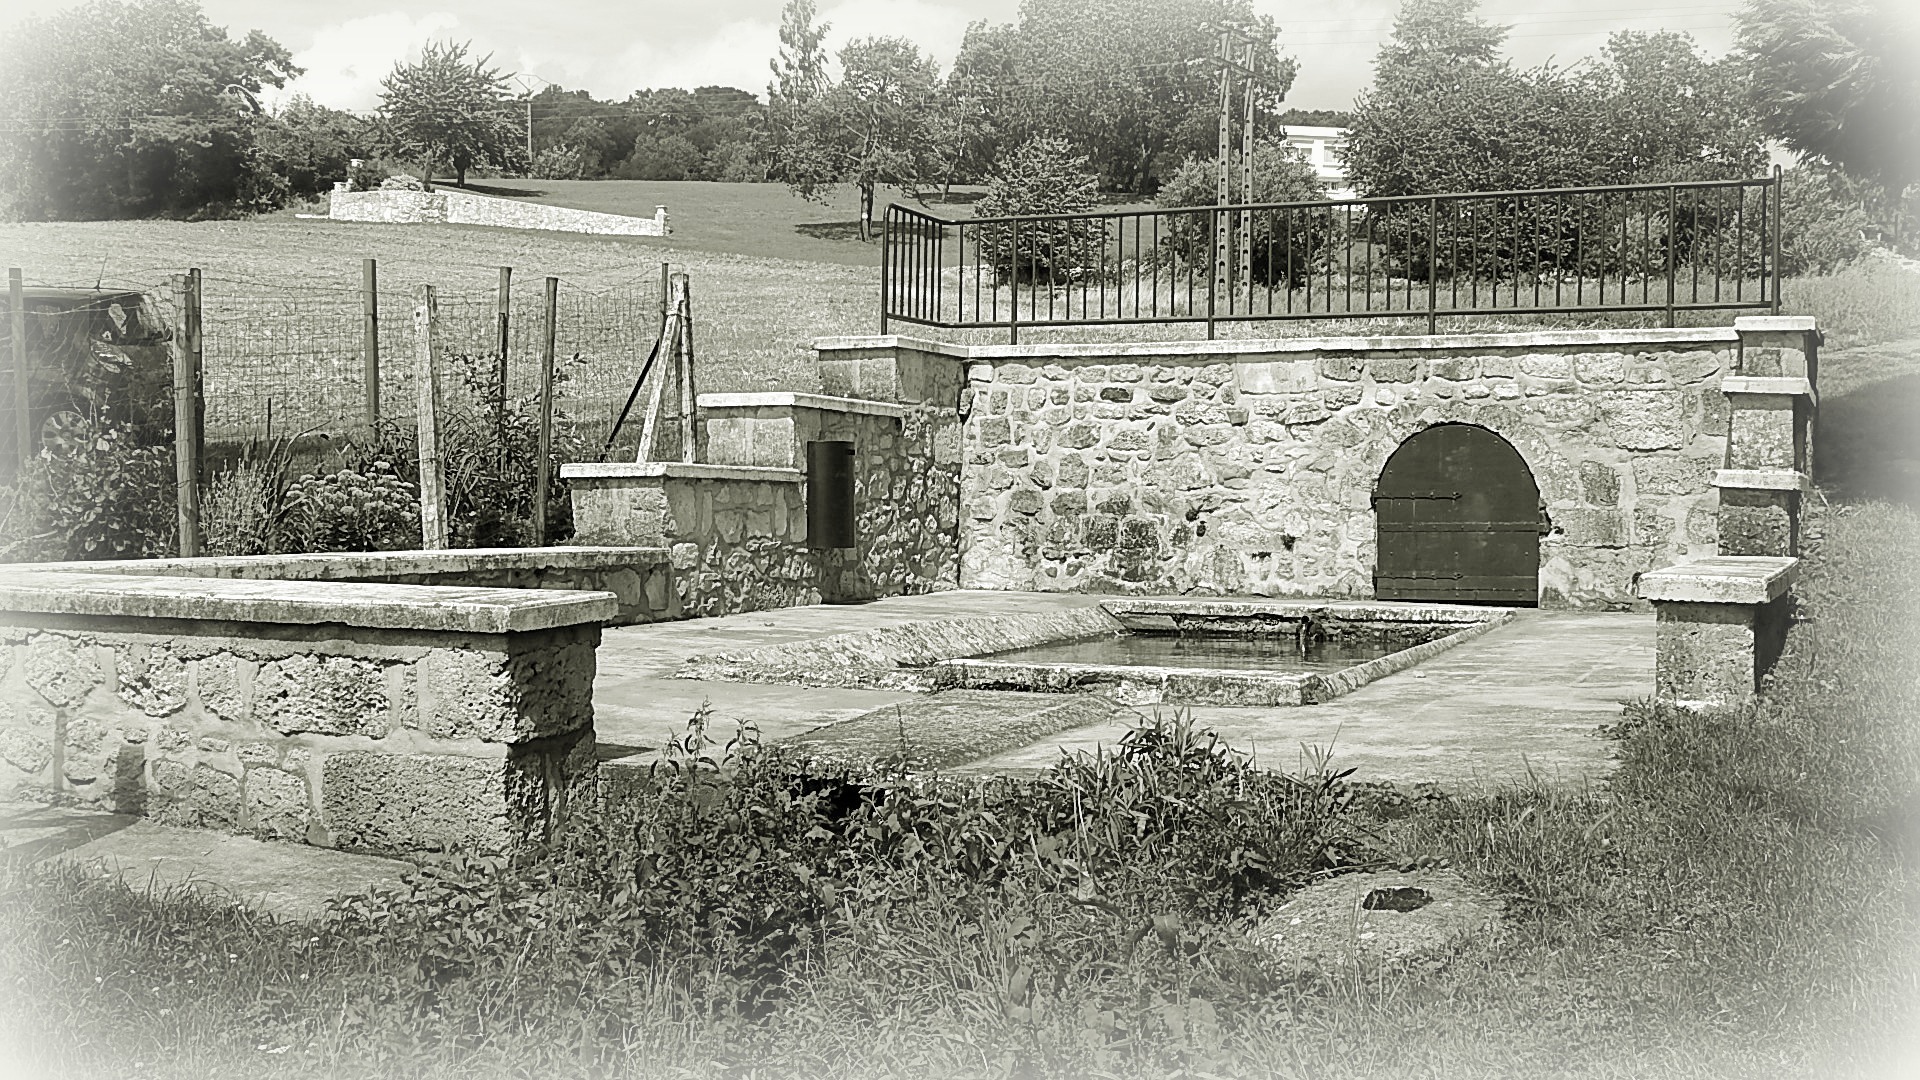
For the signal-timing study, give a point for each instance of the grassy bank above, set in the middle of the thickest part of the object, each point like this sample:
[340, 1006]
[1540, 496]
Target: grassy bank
[1738, 901]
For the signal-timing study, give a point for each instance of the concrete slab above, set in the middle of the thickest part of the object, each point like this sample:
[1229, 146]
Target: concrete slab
[292, 881]
[1527, 696]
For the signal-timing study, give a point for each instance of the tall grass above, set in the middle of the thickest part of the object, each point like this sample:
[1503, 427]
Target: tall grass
[1736, 900]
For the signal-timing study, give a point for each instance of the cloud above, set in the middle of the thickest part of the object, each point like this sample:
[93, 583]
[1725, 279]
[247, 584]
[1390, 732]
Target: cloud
[347, 60]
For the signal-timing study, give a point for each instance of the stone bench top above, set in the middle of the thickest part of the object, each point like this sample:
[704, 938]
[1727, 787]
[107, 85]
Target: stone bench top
[1721, 579]
[677, 470]
[820, 402]
[1788, 386]
[387, 607]
[1763, 479]
[348, 565]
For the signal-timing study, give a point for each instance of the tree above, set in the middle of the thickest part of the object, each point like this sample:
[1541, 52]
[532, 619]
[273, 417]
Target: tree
[1838, 80]
[1284, 243]
[1041, 176]
[310, 146]
[1128, 83]
[870, 127]
[449, 110]
[156, 117]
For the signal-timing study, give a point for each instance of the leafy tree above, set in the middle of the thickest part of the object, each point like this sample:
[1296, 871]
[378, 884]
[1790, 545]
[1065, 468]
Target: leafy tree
[449, 110]
[311, 146]
[1127, 82]
[1839, 80]
[799, 77]
[1337, 118]
[870, 127]
[135, 109]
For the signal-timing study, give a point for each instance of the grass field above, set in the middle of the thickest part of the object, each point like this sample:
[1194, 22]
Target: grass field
[770, 272]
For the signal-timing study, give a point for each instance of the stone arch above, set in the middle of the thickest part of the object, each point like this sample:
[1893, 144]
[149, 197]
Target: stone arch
[1558, 478]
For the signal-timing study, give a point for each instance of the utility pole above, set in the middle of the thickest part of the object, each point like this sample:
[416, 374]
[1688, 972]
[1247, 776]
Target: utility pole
[1235, 232]
[1246, 177]
[1222, 193]
[529, 136]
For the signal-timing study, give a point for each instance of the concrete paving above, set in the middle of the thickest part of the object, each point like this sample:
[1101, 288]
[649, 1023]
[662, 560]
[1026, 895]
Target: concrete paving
[292, 881]
[1524, 698]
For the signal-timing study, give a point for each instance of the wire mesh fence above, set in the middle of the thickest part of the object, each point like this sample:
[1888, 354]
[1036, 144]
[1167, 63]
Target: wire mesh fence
[281, 361]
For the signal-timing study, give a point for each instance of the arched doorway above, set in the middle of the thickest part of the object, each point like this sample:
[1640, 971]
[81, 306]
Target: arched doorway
[1458, 517]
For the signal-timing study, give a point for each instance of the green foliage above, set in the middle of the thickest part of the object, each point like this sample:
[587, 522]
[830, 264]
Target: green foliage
[448, 111]
[1821, 228]
[1286, 244]
[310, 146]
[1124, 81]
[1447, 114]
[1041, 176]
[244, 504]
[352, 510]
[1838, 80]
[136, 109]
[98, 491]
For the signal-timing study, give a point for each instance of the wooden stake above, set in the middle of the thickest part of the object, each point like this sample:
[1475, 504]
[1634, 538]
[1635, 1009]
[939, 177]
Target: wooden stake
[370, 337]
[433, 498]
[186, 411]
[689, 399]
[542, 467]
[504, 309]
[670, 333]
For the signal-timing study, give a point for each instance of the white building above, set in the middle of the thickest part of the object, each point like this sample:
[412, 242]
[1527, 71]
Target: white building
[1325, 150]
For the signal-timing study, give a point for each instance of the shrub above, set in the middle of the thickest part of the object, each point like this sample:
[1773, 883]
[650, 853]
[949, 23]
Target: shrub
[403, 182]
[353, 510]
[1286, 243]
[243, 510]
[367, 176]
[1041, 176]
[1821, 229]
[96, 492]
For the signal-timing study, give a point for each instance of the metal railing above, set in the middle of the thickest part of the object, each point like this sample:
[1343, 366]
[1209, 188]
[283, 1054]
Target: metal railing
[1665, 248]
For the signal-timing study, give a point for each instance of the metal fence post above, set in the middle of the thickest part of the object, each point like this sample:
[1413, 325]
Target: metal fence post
[1673, 238]
[503, 305]
[1013, 280]
[1779, 196]
[22, 391]
[1433, 264]
[886, 266]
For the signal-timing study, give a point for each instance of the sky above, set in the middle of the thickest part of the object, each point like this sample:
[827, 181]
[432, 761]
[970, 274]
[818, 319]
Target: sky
[613, 47]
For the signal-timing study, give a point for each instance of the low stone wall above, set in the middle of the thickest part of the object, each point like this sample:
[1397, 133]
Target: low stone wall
[1248, 467]
[640, 578]
[466, 208]
[384, 718]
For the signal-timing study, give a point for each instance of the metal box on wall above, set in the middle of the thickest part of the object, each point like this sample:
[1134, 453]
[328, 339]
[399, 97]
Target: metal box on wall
[830, 495]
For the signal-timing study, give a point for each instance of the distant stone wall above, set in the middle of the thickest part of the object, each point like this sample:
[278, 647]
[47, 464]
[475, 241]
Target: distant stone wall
[1248, 467]
[465, 208]
[641, 578]
[392, 719]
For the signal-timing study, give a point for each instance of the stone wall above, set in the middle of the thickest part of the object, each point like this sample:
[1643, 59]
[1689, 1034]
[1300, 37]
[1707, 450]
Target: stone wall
[735, 524]
[391, 719]
[640, 578]
[1248, 467]
[466, 208]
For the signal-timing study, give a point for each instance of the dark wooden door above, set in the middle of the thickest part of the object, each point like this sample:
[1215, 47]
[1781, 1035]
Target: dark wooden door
[1459, 520]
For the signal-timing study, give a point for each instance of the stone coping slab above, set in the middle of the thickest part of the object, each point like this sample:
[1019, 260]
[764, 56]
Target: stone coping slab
[1775, 322]
[821, 402]
[1788, 386]
[1368, 610]
[349, 565]
[1721, 579]
[1685, 335]
[1763, 479]
[387, 607]
[954, 727]
[678, 470]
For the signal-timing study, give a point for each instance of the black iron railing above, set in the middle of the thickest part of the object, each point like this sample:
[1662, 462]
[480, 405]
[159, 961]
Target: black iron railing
[1657, 248]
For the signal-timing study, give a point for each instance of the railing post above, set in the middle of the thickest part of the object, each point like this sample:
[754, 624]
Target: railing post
[1433, 269]
[1779, 196]
[1673, 238]
[1219, 269]
[886, 257]
[1013, 283]
[21, 390]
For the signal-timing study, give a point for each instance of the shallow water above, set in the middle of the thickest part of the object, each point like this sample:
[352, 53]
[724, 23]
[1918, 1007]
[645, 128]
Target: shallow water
[1235, 653]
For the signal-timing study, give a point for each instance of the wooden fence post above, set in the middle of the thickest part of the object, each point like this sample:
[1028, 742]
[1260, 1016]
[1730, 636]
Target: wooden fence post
[186, 410]
[671, 328]
[433, 502]
[689, 419]
[504, 307]
[22, 384]
[543, 465]
[370, 336]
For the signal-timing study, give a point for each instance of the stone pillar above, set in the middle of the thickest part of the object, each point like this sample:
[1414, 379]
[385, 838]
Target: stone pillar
[1722, 622]
[1769, 436]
